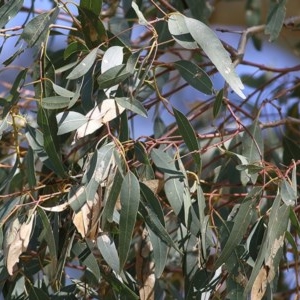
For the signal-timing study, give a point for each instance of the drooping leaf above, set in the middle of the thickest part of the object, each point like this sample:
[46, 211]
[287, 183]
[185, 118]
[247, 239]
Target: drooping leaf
[275, 19]
[218, 103]
[215, 51]
[93, 30]
[9, 10]
[108, 250]
[69, 120]
[288, 194]
[36, 31]
[93, 6]
[75, 47]
[180, 32]
[140, 15]
[133, 105]
[241, 223]
[164, 162]
[106, 111]
[62, 91]
[47, 123]
[130, 198]
[188, 134]
[84, 66]
[194, 76]
[113, 76]
[55, 102]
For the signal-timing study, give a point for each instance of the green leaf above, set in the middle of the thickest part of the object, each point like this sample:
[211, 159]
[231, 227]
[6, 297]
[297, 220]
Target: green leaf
[164, 162]
[111, 195]
[288, 194]
[93, 30]
[10, 175]
[113, 76]
[48, 236]
[175, 190]
[139, 14]
[86, 257]
[212, 46]
[180, 32]
[93, 6]
[62, 91]
[30, 168]
[55, 102]
[241, 223]
[194, 76]
[188, 134]
[37, 30]
[9, 10]
[108, 250]
[275, 19]
[133, 105]
[49, 128]
[218, 103]
[130, 198]
[69, 120]
[75, 47]
[84, 66]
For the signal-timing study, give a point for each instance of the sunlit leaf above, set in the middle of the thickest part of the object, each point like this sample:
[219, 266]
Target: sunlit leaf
[133, 105]
[108, 250]
[130, 198]
[215, 51]
[194, 76]
[140, 15]
[55, 102]
[180, 32]
[106, 111]
[288, 194]
[69, 121]
[62, 91]
[36, 31]
[84, 66]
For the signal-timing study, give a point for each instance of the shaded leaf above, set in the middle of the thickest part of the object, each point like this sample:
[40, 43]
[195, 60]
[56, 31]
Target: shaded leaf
[218, 103]
[188, 134]
[194, 76]
[288, 194]
[130, 198]
[164, 162]
[275, 19]
[9, 10]
[113, 76]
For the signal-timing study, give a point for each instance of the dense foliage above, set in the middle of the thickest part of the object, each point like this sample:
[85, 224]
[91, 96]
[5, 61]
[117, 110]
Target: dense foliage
[112, 187]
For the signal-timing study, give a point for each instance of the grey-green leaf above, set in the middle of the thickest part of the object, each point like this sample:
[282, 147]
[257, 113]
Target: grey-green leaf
[133, 105]
[275, 19]
[55, 102]
[130, 198]
[84, 66]
[195, 76]
[36, 31]
[69, 120]
[212, 46]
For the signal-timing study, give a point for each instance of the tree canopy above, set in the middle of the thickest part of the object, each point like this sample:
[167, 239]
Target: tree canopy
[146, 157]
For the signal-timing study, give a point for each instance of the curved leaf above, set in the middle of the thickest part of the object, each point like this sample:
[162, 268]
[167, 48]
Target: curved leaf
[194, 76]
[55, 102]
[188, 134]
[69, 120]
[84, 66]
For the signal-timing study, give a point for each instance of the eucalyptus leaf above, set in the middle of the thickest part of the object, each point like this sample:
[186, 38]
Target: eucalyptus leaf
[130, 198]
[194, 76]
